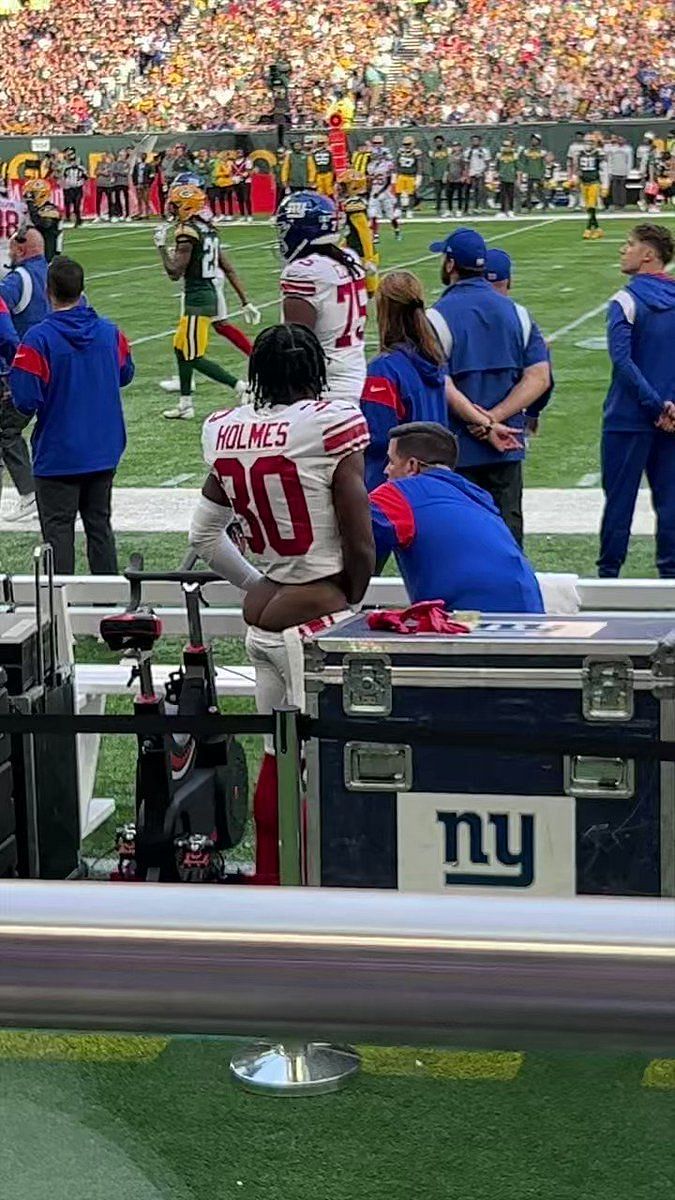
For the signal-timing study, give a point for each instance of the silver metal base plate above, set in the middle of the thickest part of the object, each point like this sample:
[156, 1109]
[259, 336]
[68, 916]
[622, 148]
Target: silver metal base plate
[294, 1068]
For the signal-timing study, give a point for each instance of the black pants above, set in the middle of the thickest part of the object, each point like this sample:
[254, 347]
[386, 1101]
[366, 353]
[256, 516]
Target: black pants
[59, 499]
[101, 195]
[121, 200]
[453, 192]
[536, 193]
[504, 482]
[617, 191]
[474, 190]
[507, 196]
[243, 193]
[439, 188]
[72, 203]
[13, 449]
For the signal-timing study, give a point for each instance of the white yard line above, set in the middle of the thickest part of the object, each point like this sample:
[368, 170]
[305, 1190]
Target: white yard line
[153, 266]
[587, 316]
[155, 337]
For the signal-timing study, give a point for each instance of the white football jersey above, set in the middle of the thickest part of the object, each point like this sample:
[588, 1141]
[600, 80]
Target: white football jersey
[276, 466]
[341, 302]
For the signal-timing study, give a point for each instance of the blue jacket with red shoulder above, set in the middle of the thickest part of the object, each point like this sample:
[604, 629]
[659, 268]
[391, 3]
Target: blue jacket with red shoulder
[451, 544]
[9, 339]
[401, 386]
[68, 370]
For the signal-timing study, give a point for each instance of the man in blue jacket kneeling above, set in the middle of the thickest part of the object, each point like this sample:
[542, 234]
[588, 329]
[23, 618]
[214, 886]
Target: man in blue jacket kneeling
[447, 535]
[68, 371]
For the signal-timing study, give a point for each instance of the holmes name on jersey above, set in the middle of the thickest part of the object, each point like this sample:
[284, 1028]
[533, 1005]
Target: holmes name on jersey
[271, 435]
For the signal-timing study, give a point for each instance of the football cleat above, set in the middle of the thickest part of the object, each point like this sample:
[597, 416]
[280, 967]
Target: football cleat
[184, 411]
[587, 235]
[173, 385]
[598, 233]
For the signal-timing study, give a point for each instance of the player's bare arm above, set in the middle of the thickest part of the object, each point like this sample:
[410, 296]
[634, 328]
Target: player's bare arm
[535, 381]
[298, 312]
[213, 534]
[352, 510]
[176, 262]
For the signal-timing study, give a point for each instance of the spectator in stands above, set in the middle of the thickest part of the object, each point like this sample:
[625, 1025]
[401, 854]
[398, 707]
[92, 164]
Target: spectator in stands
[67, 372]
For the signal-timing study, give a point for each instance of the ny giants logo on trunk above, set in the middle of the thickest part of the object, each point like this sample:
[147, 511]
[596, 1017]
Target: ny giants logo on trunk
[488, 840]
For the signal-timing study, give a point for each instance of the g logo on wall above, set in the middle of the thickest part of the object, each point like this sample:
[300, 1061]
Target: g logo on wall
[448, 841]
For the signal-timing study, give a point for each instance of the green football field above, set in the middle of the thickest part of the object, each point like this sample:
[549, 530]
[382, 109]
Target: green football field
[145, 1119]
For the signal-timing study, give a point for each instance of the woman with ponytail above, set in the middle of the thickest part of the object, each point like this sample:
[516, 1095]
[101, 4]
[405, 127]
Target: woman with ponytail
[408, 380]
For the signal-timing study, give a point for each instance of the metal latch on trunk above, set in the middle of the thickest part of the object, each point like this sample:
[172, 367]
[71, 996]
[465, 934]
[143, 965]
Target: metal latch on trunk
[366, 685]
[663, 668]
[377, 767]
[607, 689]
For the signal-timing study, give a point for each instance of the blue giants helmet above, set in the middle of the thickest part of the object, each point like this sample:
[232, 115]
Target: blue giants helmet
[305, 219]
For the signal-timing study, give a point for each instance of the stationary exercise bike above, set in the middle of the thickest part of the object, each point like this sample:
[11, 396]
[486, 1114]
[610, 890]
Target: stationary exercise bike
[191, 792]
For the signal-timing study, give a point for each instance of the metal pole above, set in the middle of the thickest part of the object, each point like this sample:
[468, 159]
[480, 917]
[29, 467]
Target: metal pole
[287, 751]
[397, 968]
[292, 1068]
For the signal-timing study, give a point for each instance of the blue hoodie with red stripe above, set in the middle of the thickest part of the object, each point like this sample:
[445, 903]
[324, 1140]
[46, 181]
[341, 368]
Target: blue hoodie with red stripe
[451, 544]
[640, 339]
[9, 339]
[68, 371]
[401, 386]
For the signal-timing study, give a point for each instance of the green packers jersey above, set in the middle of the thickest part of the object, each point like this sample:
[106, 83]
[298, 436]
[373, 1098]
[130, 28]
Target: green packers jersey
[200, 275]
[507, 165]
[48, 221]
[533, 163]
[323, 160]
[439, 164]
[590, 162]
[407, 162]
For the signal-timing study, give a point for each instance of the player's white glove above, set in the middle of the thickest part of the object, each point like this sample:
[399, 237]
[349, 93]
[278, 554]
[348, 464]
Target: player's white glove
[251, 314]
[240, 389]
[160, 235]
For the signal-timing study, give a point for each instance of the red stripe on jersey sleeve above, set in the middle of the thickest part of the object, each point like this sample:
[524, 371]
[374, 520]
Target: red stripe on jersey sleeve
[122, 348]
[378, 390]
[4, 308]
[28, 359]
[394, 506]
[346, 439]
[304, 289]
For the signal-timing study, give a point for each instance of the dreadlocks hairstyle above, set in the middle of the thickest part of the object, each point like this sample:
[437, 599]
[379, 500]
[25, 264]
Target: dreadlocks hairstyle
[330, 250]
[401, 317]
[287, 364]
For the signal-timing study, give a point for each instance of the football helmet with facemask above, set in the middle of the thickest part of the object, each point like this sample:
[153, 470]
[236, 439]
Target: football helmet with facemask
[305, 219]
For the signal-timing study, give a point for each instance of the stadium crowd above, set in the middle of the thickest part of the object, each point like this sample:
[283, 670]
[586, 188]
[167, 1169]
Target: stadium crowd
[181, 65]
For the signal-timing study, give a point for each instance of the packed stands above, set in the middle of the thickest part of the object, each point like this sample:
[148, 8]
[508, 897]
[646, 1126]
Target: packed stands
[114, 67]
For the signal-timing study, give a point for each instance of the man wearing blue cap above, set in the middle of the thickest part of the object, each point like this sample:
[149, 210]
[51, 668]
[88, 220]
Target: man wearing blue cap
[497, 358]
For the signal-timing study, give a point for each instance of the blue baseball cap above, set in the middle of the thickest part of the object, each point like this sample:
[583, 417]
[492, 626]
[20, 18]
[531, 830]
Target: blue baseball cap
[498, 266]
[465, 246]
